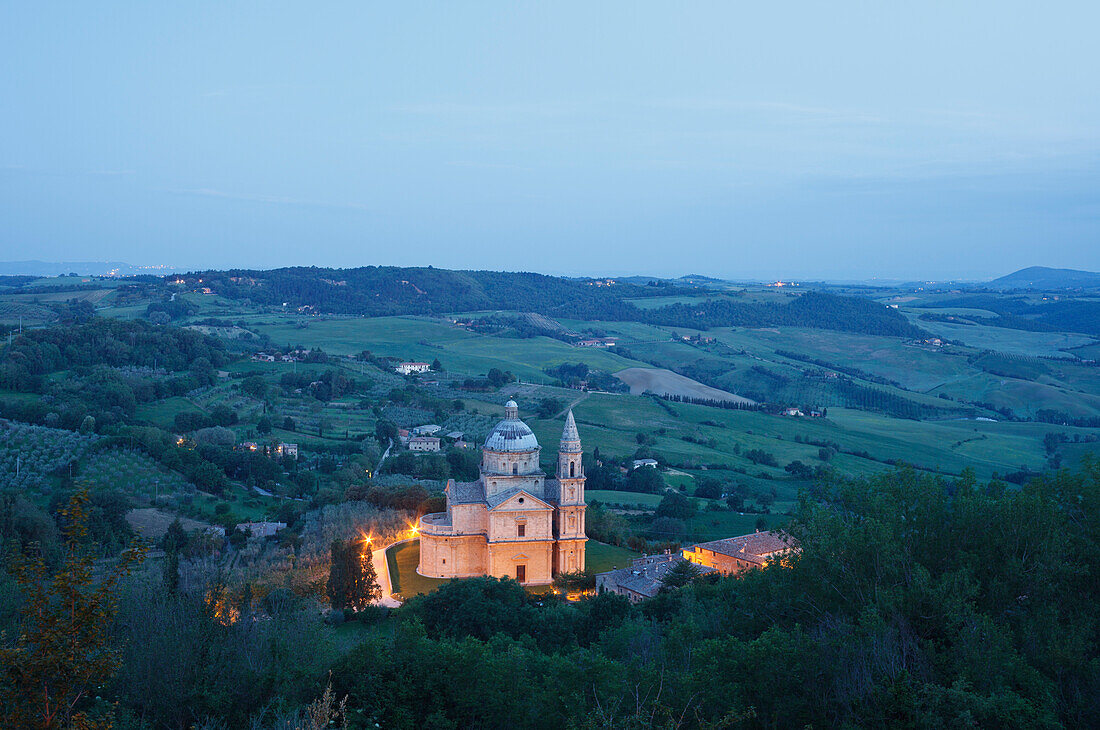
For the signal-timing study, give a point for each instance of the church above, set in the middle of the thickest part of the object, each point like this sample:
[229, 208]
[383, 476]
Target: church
[512, 521]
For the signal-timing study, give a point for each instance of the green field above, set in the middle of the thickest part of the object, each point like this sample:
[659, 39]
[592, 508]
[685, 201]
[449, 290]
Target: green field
[719, 525]
[888, 357]
[1002, 339]
[600, 557]
[421, 338]
[163, 412]
[608, 496]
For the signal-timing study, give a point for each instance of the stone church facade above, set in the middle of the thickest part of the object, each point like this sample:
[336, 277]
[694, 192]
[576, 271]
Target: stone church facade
[513, 521]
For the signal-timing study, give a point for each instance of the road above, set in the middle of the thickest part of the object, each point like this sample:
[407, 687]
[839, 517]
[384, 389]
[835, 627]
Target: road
[383, 459]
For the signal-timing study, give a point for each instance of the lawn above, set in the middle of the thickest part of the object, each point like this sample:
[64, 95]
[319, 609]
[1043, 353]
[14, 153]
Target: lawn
[609, 496]
[600, 557]
[402, 561]
[163, 412]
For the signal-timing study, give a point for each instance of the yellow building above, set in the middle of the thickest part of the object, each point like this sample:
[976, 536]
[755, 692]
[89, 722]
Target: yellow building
[513, 521]
[735, 555]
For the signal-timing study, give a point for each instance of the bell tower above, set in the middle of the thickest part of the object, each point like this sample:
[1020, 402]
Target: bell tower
[569, 521]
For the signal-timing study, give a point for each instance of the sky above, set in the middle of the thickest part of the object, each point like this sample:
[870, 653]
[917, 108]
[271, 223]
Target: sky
[790, 140]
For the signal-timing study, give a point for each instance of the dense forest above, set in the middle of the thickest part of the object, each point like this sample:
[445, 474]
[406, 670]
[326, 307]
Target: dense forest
[378, 291]
[915, 602]
[101, 369]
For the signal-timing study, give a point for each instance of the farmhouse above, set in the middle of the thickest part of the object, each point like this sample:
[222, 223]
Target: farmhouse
[645, 462]
[427, 430]
[512, 521]
[643, 579]
[597, 342]
[424, 443]
[735, 555]
[261, 529]
[407, 368]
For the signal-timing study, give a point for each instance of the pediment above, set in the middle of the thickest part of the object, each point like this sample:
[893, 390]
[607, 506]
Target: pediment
[512, 503]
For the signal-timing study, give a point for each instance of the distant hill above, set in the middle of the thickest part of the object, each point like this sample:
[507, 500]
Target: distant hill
[80, 268]
[1043, 277]
[389, 290]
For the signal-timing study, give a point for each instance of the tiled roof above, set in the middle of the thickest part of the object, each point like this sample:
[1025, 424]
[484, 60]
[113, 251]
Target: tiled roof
[552, 489]
[644, 574]
[466, 493]
[754, 548]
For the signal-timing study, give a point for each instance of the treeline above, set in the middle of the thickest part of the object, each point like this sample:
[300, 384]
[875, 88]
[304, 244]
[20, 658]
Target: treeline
[732, 405]
[847, 370]
[1018, 312]
[813, 309]
[110, 367]
[904, 609]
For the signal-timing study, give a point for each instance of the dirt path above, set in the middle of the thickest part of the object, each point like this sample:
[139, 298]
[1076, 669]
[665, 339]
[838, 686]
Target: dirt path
[563, 411]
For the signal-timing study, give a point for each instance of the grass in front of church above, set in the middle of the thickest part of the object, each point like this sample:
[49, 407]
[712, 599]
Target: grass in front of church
[403, 559]
[404, 580]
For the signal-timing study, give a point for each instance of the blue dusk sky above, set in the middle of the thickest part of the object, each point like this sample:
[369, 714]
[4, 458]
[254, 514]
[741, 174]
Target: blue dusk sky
[745, 140]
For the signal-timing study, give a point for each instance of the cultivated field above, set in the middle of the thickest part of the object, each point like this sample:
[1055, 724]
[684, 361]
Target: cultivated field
[666, 382]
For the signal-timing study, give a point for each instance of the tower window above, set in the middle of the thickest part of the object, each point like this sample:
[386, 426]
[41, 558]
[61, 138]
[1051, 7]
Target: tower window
[572, 465]
[515, 468]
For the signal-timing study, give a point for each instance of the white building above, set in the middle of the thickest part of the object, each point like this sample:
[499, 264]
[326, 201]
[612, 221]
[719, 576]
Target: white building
[407, 368]
[424, 443]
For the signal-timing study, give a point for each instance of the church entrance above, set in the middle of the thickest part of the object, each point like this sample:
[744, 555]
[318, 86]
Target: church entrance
[521, 573]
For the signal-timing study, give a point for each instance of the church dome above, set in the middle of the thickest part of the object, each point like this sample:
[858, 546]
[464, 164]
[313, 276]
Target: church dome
[512, 435]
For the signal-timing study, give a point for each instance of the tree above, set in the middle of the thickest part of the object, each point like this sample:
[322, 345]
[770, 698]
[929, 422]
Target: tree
[676, 505]
[497, 378]
[352, 582]
[680, 574]
[255, 386]
[436, 365]
[578, 580]
[799, 470]
[709, 488]
[64, 647]
[264, 425]
[549, 406]
[289, 424]
[645, 479]
[385, 430]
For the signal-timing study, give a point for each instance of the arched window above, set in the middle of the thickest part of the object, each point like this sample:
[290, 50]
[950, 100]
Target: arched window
[572, 466]
[515, 468]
